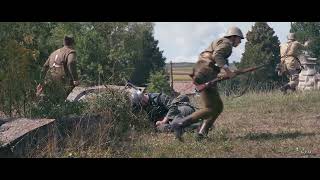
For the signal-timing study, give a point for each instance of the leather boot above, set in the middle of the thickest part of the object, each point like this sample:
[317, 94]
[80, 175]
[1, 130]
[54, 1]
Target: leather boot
[203, 132]
[178, 127]
[285, 88]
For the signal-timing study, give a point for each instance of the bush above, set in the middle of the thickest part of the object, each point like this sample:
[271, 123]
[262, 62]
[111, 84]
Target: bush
[158, 83]
[104, 122]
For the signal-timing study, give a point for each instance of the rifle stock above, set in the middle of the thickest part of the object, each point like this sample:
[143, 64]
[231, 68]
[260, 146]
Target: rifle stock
[206, 85]
[129, 84]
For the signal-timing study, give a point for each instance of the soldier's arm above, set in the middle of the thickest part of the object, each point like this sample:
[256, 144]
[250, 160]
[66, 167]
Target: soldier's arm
[302, 46]
[164, 121]
[168, 116]
[306, 45]
[220, 54]
[71, 64]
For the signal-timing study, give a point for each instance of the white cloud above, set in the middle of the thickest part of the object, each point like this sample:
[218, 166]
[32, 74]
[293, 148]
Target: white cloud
[183, 41]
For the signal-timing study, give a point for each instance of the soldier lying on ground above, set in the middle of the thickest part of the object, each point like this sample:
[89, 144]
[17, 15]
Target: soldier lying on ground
[163, 110]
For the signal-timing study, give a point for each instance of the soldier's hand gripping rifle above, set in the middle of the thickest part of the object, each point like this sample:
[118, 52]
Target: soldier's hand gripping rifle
[206, 85]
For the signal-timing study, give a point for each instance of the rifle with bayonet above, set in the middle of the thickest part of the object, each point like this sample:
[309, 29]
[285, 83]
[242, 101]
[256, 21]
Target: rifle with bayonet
[206, 85]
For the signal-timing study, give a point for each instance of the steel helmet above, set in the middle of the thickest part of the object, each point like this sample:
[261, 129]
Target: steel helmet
[234, 31]
[291, 36]
[136, 98]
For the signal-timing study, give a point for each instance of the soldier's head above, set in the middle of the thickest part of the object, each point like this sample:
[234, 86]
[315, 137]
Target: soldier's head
[291, 36]
[68, 40]
[234, 34]
[139, 100]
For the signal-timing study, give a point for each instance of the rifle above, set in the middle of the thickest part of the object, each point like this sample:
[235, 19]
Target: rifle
[129, 84]
[206, 85]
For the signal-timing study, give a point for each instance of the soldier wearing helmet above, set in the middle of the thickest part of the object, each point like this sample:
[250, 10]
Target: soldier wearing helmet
[162, 110]
[138, 100]
[155, 104]
[60, 71]
[290, 64]
[212, 61]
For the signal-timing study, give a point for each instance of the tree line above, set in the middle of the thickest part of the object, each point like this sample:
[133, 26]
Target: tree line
[114, 52]
[107, 53]
[262, 47]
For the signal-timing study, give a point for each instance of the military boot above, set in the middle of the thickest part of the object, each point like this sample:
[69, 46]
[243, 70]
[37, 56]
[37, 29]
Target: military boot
[164, 128]
[284, 88]
[178, 127]
[204, 130]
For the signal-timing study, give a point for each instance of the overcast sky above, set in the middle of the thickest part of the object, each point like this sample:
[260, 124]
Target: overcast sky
[183, 41]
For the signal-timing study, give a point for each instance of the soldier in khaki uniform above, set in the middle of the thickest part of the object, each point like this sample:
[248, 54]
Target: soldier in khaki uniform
[60, 71]
[211, 62]
[290, 64]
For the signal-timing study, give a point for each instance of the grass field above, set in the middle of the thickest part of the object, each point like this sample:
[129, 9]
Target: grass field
[258, 125]
[264, 125]
[181, 78]
[254, 125]
[180, 72]
[184, 69]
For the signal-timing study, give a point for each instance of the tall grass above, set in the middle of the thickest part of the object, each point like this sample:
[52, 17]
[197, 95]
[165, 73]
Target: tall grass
[106, 124]
[257, 124]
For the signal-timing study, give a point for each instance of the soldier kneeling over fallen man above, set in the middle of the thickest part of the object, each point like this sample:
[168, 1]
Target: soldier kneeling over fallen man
[163, 110]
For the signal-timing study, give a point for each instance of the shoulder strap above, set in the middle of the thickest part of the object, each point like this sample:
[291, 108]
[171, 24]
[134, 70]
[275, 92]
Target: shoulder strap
[56, 57]
[217, 44]
[289, 46]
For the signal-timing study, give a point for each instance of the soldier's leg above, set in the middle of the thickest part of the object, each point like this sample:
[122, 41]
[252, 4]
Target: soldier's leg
[164, 128]
[294, 80]
[50, 92]
[194, 127]
[209, 97]
[178, 125]
[215, 107]
[285, 88]
[202, 73]
[68, 90]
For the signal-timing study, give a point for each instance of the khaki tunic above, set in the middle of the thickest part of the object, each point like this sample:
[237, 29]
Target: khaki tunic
[290, 52]
[60, 69]
[207, 68]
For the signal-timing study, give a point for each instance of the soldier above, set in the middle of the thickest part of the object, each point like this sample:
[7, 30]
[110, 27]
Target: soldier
[211, 62]
[179, 108]
[60, 71]
[290, 64]
[163, 110]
